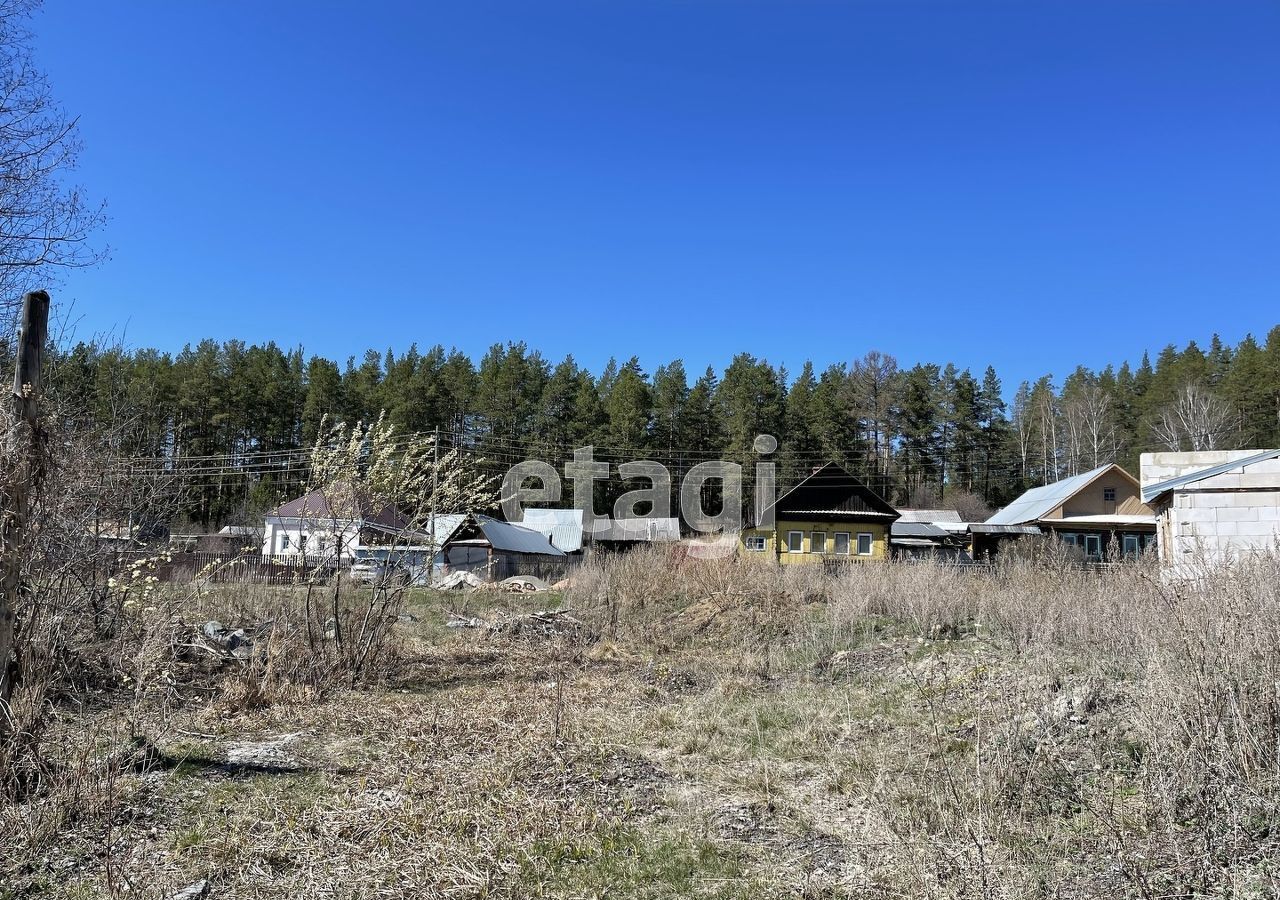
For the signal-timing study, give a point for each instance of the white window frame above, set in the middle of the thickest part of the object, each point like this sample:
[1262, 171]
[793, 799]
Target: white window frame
[284, 541]
[756, 543]
[800, 536]
[835, 544]
[1131, 546]
[817, 542]
[1069, 538]
[871, 543]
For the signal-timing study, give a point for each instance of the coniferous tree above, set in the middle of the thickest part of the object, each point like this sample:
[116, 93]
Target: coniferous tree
[553, 429]
[800, 445]
[751, 401]
[995, 436]
[670, 397]
[835, 427]
[323, 397]
[918, 428]
[628, 407]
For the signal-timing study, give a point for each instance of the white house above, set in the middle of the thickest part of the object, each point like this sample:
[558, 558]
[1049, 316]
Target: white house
[339, 524]
[1214, 505]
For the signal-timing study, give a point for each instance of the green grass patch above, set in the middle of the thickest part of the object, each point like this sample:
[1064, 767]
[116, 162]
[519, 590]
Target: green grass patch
[629, 862]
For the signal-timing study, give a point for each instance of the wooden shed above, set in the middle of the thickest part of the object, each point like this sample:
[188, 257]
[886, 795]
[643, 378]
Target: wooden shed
[493, 550]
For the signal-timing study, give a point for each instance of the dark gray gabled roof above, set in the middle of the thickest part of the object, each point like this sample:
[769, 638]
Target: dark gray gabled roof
[504, 536]
[831, 492]
[1152, 491]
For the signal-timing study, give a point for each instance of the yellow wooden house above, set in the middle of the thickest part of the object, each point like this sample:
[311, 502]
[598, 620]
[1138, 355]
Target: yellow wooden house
[829, 516]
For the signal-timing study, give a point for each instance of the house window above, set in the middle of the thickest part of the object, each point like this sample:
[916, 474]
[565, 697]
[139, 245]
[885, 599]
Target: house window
[1131, 544]
[284, 542]
[864, 543]
[755, 542]
[1109, 495]
[842, 543]
[795, 541]
[1069, 540]
[1093, 546]
[818, 542]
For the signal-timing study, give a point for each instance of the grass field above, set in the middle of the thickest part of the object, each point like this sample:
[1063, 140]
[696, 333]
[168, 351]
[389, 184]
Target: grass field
[710, 729]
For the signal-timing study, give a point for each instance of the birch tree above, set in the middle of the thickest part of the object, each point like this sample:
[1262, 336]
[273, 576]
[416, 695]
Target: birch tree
[368, 470]
[1195, 420]
[45, 222]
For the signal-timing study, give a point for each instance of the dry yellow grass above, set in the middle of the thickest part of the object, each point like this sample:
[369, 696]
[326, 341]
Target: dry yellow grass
[718, 730]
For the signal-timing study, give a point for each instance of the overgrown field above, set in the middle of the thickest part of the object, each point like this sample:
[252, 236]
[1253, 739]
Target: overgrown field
[687, 729]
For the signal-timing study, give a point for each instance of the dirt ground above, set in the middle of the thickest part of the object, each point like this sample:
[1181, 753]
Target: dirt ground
[726, 762]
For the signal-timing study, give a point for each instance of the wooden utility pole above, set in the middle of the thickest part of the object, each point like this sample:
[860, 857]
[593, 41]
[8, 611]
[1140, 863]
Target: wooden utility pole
[17, 488]
[435, 478]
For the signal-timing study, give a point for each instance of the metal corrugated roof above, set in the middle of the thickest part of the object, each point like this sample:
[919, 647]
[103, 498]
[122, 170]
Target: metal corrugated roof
[514, 538]
[1036, 503]
[917, 530]
[988, 528]
[1151, 491]
[644, 528]
[929, 515]
[563, 527]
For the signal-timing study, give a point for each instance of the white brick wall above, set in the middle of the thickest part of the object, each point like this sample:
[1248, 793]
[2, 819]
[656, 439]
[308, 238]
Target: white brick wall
[1223, 516]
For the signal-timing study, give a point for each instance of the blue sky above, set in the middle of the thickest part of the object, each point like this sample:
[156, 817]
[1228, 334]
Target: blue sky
[1027, 184]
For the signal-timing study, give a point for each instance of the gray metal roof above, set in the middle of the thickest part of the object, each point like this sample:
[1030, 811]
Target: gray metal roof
[929, 515]
[1152, 491]
[644, 528]
[1036, 503]
[917, 530]
[563, 527]
[988, 528]
[514, 538]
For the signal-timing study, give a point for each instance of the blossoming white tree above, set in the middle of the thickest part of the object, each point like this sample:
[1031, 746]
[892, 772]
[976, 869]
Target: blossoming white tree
[407, 482]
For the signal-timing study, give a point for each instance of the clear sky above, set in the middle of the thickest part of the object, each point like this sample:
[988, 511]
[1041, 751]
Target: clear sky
[1029, 184]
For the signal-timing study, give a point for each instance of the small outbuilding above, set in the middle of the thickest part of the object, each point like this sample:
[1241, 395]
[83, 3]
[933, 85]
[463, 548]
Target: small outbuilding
[494, 550]
[930, 534]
